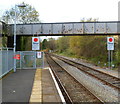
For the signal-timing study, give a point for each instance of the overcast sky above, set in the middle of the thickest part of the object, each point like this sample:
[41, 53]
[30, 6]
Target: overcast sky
[69, 10]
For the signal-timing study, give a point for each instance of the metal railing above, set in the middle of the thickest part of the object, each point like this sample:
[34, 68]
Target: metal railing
[29, 60]
[6, 60]
[67, 28]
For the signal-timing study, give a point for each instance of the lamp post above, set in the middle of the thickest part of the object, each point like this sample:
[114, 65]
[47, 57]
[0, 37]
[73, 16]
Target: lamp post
[22, 5]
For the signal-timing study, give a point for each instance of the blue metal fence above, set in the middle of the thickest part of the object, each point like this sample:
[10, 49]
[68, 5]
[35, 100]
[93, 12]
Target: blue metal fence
[6, 60]
[28, 60]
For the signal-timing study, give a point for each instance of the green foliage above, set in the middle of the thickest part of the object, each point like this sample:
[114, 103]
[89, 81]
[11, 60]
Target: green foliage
[92, 48]
[26, 14]
[62, 44]
[51, 44]
[89, 46]
[89, 20]
[3, 40]
[44, 44]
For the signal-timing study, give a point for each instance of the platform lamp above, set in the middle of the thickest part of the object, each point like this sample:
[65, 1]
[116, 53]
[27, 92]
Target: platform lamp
[21, 5]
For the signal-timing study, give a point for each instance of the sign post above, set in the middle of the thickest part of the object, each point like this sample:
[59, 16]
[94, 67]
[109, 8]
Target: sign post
[110, 48]
[35, 43]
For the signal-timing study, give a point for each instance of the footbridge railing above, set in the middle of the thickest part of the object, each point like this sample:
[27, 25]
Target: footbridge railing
[67, 28]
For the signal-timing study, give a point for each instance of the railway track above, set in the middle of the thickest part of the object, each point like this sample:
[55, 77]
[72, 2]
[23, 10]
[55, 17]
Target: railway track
[73, 91]
[107, 79]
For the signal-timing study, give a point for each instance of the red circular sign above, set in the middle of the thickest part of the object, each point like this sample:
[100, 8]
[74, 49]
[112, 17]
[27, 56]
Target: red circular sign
[110, 39]
[35, 39]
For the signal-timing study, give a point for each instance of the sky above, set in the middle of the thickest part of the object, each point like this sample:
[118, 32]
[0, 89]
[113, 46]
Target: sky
[68, 10]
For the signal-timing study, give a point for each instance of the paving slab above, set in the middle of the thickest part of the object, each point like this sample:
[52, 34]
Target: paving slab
[36, 95]
[49, 91]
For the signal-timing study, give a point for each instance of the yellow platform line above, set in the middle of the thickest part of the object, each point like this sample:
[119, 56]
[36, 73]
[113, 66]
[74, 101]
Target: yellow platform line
[36, 95]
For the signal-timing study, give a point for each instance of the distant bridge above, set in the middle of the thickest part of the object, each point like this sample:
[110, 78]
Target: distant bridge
[66, 28]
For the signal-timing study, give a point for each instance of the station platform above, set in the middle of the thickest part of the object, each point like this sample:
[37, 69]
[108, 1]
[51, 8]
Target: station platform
[17, 87]
[30, 86]
[49, 91]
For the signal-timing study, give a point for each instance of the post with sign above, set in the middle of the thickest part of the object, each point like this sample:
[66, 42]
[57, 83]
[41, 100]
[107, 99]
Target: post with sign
[110, 48]
[40, 59]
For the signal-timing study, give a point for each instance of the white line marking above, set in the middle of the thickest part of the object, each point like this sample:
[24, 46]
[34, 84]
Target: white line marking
[58, 89]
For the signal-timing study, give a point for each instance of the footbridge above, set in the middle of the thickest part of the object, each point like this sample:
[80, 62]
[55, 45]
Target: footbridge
[66, 28]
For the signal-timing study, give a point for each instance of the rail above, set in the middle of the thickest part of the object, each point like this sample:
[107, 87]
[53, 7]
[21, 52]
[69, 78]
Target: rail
[73, 88]
[105, 78]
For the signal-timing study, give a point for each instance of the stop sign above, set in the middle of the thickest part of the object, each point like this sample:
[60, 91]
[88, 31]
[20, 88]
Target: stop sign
[110, 39]
[35, 39]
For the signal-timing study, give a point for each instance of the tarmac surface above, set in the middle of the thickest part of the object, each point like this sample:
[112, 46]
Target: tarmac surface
[17, 87]
[29, 86]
